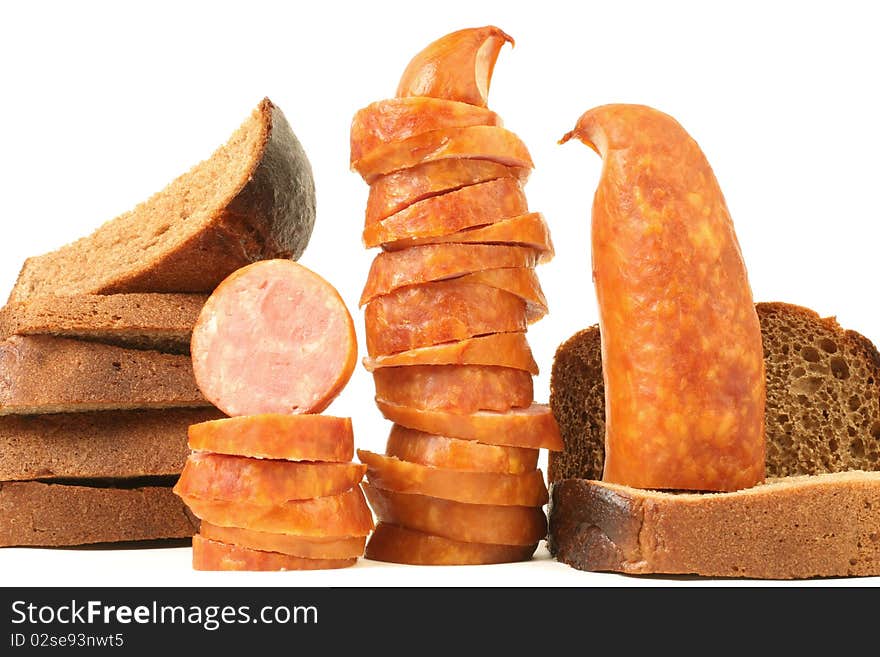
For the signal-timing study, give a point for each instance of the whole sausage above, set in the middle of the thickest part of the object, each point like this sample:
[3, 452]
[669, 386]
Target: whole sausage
[263, 481]
[391, 270]
[502, 349]
[456, 454]
[400, 189]
[290, 437]
[470, 523]
[533, 427]
[681, 343]
[480, 142]
[457, 66]
[397, 119]
[455, 388]
[214, 555]
[524, 230]
[306, 547]
[400, 545]
[390, 473]
[274, 337]
[423, 315]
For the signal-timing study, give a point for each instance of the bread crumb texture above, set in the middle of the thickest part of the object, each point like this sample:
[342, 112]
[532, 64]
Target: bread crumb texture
[823, 397]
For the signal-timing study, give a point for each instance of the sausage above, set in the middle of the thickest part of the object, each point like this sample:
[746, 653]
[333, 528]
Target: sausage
[305, 547]
[288, 437]
[400, 189]
[262, 481]
[521, 281]
[423, 315]
[502, 349]
[481, 142]
[274, 337]
[395, 544]
[396, 119]
[533, 427]
[469, 523]
[456, 454]
[389, 473]
[455, 388]
[475, 205]
[333, 516]
[524, 230]
[681, 343]
[214, 555]
[435, 262]
[457, 66]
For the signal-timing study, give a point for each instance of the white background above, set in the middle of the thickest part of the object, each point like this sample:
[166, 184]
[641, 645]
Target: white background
[104, 103]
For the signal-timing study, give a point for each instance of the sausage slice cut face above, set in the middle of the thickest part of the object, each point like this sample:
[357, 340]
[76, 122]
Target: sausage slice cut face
[274, 337]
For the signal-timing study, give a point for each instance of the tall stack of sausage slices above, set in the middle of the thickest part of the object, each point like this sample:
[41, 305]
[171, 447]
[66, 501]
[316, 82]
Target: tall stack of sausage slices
[448, 302]
[274, 484]
[96, 382]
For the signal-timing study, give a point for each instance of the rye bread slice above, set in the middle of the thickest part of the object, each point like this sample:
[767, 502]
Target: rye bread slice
[253, 199]
[797, 527]
[39, 514]
[111, 444]
[44, 374]
[823, 398]
[163, 322]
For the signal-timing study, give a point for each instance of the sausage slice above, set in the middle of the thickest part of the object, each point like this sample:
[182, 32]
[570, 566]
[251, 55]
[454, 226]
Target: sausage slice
[400, 545]
[274, 337]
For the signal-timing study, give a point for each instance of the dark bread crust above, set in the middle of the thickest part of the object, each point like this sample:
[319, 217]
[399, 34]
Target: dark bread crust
[270, 216]
[39, 514]
[111, 444]
[792, 528]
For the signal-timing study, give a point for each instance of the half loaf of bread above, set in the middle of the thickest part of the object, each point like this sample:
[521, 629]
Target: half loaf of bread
[253, 199]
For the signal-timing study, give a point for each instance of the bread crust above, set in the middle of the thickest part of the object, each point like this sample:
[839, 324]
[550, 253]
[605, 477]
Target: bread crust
[790, 528]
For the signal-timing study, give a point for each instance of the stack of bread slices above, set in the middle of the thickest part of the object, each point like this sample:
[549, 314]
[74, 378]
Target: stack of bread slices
[448, 303]
[96, 382]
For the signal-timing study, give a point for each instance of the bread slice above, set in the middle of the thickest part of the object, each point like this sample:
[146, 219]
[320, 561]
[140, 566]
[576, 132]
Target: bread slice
[253, 199]
[112, 444]
[43, 374]
[810, 526]
[823, 398]
[38, 514]
[163, 322]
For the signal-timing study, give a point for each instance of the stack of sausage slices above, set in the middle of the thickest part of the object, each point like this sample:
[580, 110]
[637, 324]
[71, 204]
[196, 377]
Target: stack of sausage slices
[448, 302]
[274, 485]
